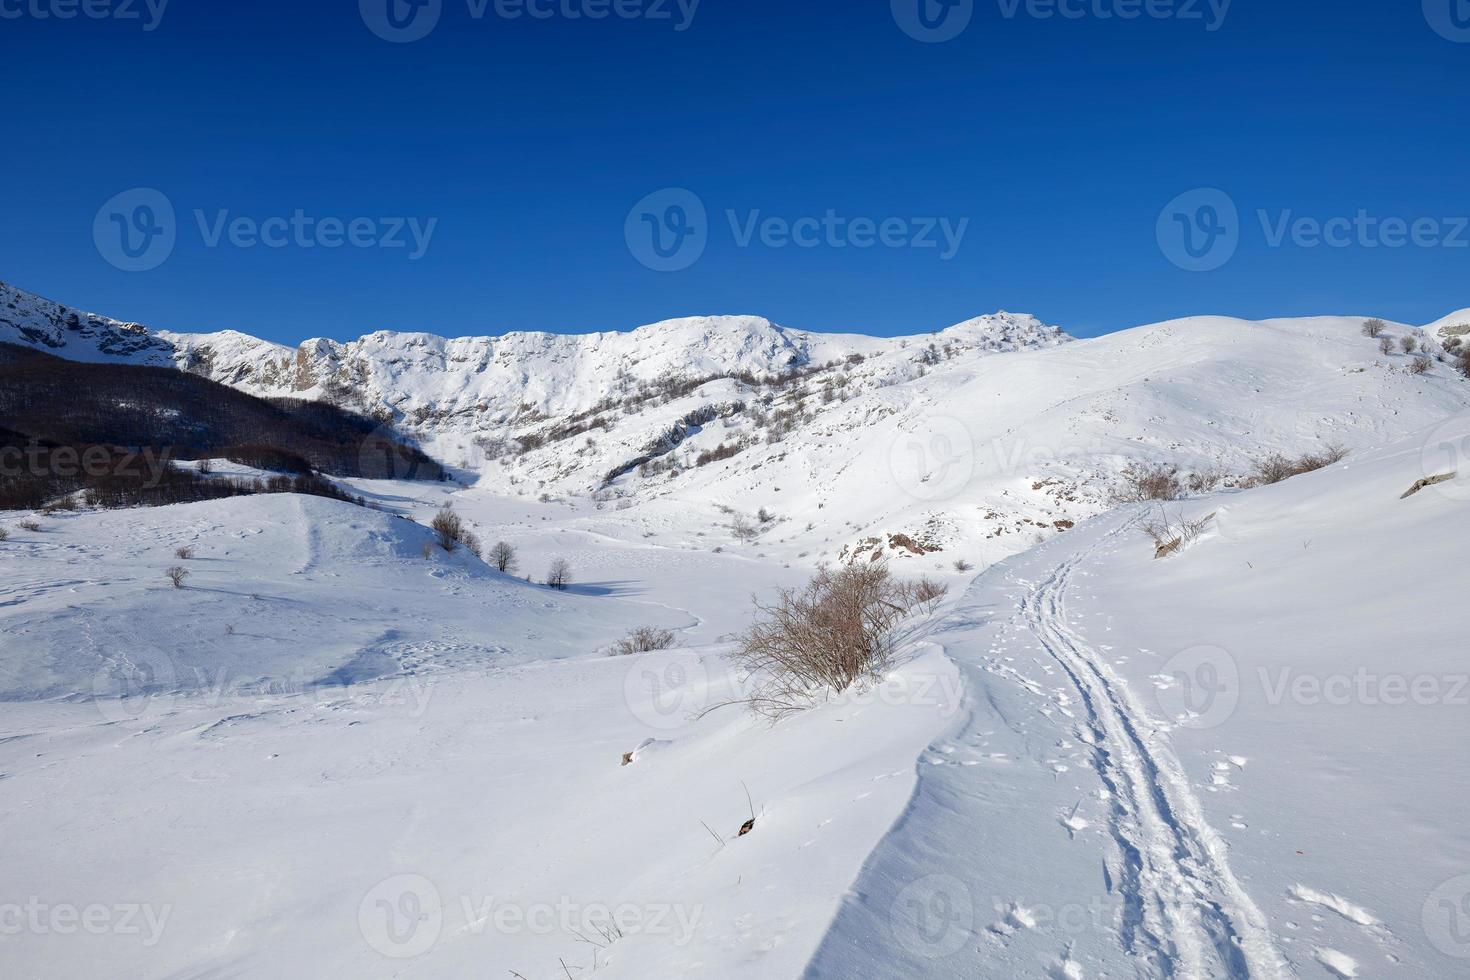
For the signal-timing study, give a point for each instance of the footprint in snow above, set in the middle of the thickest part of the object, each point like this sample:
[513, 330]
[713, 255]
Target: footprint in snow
[1336, 963]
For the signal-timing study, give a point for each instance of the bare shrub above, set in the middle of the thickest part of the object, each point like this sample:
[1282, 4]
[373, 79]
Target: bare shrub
[1464, 365]
[1277, 467]
[841, 628]
[176, 574]
[184, 552]
[1148, 482]
[642, 640]
[4, 534]
[447, 527]
[1172, 536]
[1374, 328]
[450, 531]
[960, 565]
[1385, 345]
[30, 525]
[1408, 343]
[927, 591]
[503, 557]
[1420, 365]
[1205, 481]
[560, 574]
[428, 550]
[743, 529]
[765, 516]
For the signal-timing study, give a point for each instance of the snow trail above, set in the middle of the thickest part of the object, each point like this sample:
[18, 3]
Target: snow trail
[1185, 912]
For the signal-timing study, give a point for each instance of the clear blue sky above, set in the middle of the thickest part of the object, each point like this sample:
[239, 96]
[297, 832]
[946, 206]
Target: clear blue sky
[1060, 140]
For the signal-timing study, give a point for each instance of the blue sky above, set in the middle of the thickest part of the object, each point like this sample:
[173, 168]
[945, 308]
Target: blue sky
[828, 148]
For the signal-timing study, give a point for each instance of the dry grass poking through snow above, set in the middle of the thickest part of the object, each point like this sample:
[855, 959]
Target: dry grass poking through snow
[643, 640]
[842, 628]
[1171, 537]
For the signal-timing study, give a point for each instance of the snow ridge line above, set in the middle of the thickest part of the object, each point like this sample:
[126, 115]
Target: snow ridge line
[1184, 911]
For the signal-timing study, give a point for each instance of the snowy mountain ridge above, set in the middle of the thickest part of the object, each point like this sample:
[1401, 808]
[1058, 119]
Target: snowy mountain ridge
[467, 380]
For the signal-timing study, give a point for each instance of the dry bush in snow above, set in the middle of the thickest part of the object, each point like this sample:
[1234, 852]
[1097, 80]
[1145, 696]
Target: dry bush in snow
[1420, 365]
[4, 534]
[960, 565]
[1385, 345]
[30, 525]
[1409, 343]
[447, 527]
[1276, 467]
[843, 627]
[1374, 328]
[1172, 536]
[1147, 482]
[642, 640]
[560, 574]
[185, 552]
[176, 575]
[451, 532]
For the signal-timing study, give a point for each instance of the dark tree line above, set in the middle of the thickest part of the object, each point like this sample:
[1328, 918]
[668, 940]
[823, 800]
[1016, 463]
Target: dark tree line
[107, 429]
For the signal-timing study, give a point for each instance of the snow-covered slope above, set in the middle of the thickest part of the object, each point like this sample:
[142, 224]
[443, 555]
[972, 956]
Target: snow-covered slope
[940, 458]
[1243, 760]
[334, 757]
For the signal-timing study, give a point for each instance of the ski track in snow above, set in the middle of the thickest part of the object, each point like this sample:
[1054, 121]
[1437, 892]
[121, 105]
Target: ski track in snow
[1185, 914]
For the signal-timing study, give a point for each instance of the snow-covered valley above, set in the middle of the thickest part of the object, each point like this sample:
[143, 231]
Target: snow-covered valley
[339, 750]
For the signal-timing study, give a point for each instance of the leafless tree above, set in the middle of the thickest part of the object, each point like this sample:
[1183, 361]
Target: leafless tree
[176, 574]
[503, 557]
[1374, 328]
[560, 574]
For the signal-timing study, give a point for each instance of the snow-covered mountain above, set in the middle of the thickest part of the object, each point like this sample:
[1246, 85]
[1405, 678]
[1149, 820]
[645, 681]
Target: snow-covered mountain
[969, 443]
[473, 384]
